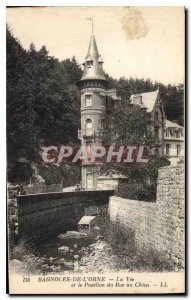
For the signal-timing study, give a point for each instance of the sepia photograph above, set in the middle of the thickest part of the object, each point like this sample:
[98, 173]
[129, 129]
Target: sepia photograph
[95, 101]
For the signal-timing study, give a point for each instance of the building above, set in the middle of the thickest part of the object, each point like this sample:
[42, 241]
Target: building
[95, 98]
[87, 223]
[170, 135]
[151, 102]
[173, 142]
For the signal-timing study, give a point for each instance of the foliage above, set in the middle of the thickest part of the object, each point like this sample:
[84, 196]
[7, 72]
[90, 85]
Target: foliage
[154, 164]
[137, 191]
[42, 102]
[67, 174]
[128, 125]
[140, 183]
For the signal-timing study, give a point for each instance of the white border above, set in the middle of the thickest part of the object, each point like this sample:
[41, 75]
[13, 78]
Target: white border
[97, 3]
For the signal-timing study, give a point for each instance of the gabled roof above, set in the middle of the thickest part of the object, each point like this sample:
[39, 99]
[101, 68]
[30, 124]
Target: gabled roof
[86, 220]
[148, 99]
[170, 124]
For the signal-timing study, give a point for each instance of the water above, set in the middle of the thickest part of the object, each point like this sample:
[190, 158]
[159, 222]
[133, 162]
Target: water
[54, 260]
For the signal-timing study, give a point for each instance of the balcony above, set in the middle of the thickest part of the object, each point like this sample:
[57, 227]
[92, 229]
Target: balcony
[174, 138]
[89, 137]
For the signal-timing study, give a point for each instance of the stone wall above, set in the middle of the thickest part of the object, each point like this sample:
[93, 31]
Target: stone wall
[157, 225]
[12, 221]
[43, 215]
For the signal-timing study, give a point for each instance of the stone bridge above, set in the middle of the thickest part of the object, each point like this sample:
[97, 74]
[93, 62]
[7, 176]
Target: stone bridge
[41, 216]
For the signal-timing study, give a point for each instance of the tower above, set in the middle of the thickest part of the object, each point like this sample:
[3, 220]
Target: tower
[93, 108]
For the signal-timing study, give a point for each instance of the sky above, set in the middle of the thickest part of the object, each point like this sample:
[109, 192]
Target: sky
[142, 42]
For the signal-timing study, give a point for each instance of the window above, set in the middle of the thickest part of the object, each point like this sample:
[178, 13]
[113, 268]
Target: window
[156, 132]
[88, 100]
[89, 149]
[177, 134]
[172, 132]
[156, 116]
[89, 127]
[167, 133]
[89, 63]
[137, 99]
[178, 148]
[167, 149]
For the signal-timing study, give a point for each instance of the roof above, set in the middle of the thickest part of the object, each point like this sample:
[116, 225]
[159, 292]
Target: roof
[112, 93]
[86, 220]
[96, 70]
[148, 99]
[170, 124]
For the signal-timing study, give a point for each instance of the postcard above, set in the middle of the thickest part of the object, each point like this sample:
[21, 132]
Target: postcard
[95, 150]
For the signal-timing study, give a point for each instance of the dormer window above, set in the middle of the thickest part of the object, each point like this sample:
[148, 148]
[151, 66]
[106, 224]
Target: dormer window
[100, 61]
[89, 64]
[84, 64]
[89, 61]
[137, 99]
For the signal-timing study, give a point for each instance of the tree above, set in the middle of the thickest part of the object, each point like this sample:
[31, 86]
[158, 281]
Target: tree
[42, 102]
[129, 125]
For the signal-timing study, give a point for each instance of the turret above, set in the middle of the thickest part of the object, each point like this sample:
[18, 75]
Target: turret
[93, 109]
[93, 64]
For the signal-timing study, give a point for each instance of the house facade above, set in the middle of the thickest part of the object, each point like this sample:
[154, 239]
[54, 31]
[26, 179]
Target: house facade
[152, 105]
[173, 142]
[169, 135]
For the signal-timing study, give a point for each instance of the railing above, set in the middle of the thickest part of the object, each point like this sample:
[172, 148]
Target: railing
[52, 188]
[89, 136]
[174, 138]
[86, 136]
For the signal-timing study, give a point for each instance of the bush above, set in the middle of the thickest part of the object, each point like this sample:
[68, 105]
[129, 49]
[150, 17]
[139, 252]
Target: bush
[23, 252]
[137, 191]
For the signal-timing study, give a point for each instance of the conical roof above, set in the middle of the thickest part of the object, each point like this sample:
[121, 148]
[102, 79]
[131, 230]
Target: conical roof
[93, 68]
